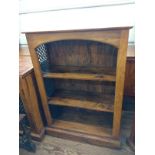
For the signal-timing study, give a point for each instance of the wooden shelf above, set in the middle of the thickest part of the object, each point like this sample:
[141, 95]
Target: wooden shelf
[83, 133]
[83, 100]
[81, 76]
[83, 125]
[82, 128]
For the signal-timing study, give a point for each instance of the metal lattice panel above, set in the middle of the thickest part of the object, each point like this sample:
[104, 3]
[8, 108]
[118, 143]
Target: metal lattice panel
[44, 64]
[42, 57]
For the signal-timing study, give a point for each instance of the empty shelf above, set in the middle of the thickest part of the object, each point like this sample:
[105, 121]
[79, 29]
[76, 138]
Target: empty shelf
[80, 76]
[82, 128]
[81, 100]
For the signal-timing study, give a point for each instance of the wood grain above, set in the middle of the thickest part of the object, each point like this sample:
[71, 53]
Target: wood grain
[28, 93]
[90, 87]
[25, 65]
[129, 85]
[30, 101]
[83, 69]
[82, 128]
[84, 138]
[83, 100]
[105, 36]
[39, 79]
[82, 53]
[83, 116]
[79, 76]
[120, 77]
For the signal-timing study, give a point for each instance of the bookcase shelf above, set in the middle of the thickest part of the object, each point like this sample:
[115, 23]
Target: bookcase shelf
[81, 70]
[83, 100]
[82, 121]
[82, 128]
[80, 76]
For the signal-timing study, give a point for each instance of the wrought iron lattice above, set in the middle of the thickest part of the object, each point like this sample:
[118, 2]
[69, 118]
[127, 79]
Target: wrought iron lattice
[42, 57]
[44, 64]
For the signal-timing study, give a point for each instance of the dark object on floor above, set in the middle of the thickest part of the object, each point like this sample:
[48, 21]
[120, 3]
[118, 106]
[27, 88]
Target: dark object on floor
[131, 139]
[25, 141]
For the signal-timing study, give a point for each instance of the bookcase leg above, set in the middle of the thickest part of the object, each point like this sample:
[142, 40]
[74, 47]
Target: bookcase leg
[116, 124]
[39, 80]
[120, 77]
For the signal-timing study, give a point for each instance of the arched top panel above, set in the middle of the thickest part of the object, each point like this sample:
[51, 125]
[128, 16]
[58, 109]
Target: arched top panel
[108, 37]
[76, 41]
[81, 53]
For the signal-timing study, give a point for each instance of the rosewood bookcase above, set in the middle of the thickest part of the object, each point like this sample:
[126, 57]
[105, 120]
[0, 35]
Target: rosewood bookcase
[80, 76]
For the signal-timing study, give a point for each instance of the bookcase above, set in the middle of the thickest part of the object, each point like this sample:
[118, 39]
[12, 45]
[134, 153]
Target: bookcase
[80, 76]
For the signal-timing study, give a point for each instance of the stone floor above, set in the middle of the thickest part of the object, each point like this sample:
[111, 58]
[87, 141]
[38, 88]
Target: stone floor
[57, 146]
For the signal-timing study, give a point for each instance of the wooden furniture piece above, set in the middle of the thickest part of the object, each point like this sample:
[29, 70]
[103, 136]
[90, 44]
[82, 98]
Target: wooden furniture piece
[29, 98]
[80, 75]
[129, 86]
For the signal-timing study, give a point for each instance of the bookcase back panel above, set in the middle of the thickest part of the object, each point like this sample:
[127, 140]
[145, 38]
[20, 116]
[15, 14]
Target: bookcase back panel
[82, 116]
[77, 56]
[90, 87]
[82, 53]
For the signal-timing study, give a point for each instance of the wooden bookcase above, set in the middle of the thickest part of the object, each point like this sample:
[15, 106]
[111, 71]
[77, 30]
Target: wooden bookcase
[80, 75]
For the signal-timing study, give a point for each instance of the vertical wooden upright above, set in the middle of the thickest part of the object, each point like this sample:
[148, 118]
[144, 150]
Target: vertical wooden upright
[39, 79]
[120, 77]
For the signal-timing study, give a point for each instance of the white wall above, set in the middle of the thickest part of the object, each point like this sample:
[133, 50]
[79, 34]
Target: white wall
[46, 16]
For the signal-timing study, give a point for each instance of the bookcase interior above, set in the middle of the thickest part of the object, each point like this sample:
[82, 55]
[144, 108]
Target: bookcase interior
[79, 78]
[79, 73]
